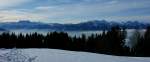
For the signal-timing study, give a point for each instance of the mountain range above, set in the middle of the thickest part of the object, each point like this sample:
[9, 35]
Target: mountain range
[90, 25]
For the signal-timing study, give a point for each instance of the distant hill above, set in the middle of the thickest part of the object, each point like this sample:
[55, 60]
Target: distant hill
[1, 29]
[90, 25]
[25, 24]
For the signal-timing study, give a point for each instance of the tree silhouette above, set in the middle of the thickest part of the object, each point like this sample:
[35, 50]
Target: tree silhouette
[142, 48]
[107, 42]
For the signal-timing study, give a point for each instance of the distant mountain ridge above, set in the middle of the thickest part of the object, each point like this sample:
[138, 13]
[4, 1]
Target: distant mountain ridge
[90, 25]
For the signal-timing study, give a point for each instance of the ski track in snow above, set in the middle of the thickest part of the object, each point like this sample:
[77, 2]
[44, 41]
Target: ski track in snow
[54, 55]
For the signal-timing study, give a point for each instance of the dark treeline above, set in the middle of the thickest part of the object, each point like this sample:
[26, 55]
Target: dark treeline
[108, 42]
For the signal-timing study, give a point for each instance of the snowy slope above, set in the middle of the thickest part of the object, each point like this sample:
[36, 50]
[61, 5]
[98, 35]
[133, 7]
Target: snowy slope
[53, 55]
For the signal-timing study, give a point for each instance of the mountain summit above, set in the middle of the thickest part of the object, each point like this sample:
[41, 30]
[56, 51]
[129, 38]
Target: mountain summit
[24, 21]
[90, 25]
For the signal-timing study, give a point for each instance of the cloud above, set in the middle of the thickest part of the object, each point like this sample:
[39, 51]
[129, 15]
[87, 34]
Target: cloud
[113, 2]
[99, 9]
[75, 11]
[12, 3]
[13, 15]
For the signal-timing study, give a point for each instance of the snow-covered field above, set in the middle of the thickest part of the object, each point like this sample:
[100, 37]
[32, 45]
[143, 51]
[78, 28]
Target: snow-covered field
[53, 55]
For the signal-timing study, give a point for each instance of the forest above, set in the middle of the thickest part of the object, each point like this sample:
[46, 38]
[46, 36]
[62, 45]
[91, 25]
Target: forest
[110, 42]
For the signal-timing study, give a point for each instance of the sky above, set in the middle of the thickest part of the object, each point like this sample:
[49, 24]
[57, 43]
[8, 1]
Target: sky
[74, 11]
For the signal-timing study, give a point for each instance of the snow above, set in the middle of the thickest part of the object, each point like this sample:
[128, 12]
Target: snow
[15, 55]
[53, 55]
